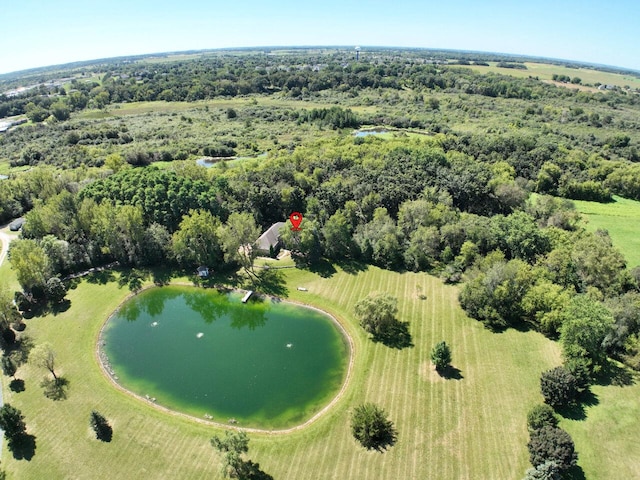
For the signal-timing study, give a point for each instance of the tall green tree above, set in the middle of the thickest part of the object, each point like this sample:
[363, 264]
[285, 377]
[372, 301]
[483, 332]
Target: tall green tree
[30, 263]
[12, 424]
[441, 355]
[197, 240]
[238, 237]
[587, 322]
[377, 312]
[371, 428]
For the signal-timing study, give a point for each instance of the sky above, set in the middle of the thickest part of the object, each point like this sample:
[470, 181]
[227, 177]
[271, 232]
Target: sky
[36, 33]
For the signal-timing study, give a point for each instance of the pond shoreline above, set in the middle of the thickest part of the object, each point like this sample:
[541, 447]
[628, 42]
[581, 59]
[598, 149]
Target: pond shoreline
[107, 371]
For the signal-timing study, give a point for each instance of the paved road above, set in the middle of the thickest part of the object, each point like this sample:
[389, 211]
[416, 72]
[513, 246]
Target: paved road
[6, 238]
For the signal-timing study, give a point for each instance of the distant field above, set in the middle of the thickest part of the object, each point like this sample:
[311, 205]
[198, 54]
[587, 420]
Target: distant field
[622, 219]
[137, 108]
[545, 72]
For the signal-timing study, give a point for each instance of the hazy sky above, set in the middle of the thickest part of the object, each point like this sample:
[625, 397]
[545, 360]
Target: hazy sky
[36, 33]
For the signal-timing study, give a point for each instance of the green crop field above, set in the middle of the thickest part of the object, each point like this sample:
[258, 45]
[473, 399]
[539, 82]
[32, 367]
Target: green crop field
[467, 428]
[621, 219]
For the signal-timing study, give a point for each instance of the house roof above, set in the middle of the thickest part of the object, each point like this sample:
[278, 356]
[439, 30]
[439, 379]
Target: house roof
[270, 238]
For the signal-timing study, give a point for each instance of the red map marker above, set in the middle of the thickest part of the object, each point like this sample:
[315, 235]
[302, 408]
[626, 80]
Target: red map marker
[296, 220]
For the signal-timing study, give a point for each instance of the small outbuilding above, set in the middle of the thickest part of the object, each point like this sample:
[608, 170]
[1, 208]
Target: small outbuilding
[203, 272]
[17, 224]
[269, 242]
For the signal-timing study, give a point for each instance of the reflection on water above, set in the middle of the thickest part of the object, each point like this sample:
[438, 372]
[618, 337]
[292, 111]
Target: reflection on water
[204, 352]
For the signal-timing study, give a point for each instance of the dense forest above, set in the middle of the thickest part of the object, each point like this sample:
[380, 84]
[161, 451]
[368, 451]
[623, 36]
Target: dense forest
[474, 185]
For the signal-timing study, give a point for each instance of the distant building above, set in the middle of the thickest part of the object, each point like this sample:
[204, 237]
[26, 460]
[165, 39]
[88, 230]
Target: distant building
[269, 242]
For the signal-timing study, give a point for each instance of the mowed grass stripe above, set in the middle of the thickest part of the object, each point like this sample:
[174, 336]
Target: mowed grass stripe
[471, 428]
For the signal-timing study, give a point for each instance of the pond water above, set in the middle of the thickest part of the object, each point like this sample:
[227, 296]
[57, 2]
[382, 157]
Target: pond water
[364, 133]
[267, 363]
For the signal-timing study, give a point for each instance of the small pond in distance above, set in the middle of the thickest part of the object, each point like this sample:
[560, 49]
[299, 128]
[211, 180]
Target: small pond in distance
[267, 363]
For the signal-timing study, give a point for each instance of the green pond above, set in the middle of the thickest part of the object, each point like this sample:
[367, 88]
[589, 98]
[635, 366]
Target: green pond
[267, 363]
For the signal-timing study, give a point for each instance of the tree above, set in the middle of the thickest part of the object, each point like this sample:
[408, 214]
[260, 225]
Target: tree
[100, 426]
[370, 427]
[552, 444]
[55, 290]
[541, 416]
[238, 237]
[587, 322]
[545, 471]
[9, 368]
[441, 355]
[558, 387]
[377, 313]
[30, 263]
[305, 243]
[234, 445]
[197, 242]
[12, 424]
[43, 356]
[338, 241]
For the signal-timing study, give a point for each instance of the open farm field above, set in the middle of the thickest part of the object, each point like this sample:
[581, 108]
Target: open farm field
[545, 72]
[472, 426]
[621, 219]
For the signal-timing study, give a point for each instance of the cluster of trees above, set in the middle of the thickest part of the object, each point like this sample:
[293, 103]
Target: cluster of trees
[551, 449]
[413, 204]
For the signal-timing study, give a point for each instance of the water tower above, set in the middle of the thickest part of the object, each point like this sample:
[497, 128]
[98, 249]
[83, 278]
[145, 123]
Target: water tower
[357, 53]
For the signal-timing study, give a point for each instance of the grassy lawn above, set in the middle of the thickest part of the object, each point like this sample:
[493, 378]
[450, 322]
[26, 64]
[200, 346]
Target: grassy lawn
[621, 218]
[472, 427]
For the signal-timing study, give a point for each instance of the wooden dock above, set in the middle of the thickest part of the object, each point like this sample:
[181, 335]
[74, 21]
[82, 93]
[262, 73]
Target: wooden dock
[247, 296]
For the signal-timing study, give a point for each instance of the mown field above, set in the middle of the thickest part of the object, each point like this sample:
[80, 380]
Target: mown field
[621, 219]
[545, 71]
[472, 427]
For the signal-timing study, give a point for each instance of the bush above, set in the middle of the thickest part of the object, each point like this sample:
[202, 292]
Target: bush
[552, 444]
[541, 416]
[558, 387]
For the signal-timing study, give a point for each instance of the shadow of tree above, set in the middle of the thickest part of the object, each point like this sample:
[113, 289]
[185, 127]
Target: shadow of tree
[251, 470]
[55, 389]
[450, 373]
[101, 277]
[397, 335]
[352, 267]
[161, 276]
[133, 279]
[322, 267]
[575, 473]
[271, 282]
[23, 447]
[63, 306]
[19, 351]
[105, 433]
[578, 409]
[615, 374]
[17, 385]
